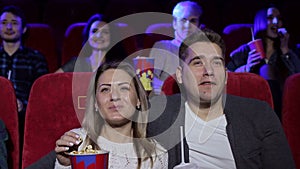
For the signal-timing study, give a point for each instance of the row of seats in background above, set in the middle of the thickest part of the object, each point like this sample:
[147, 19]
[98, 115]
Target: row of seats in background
[40, 37]
[50, 114]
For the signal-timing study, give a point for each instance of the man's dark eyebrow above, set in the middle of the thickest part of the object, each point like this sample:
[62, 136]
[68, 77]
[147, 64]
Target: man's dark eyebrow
[196, 57]
[201, 57]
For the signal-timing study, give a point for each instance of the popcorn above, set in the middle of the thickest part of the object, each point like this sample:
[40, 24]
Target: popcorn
[86, 150]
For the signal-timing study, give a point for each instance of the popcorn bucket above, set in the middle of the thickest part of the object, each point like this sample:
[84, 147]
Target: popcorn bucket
[97, 160]
[144, 67]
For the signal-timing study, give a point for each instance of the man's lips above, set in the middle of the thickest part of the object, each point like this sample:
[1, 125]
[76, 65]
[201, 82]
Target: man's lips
[9, 33]
[207, 83]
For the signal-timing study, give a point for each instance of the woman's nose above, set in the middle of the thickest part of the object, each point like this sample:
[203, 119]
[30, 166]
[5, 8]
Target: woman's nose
[115, 95]
[275, 20]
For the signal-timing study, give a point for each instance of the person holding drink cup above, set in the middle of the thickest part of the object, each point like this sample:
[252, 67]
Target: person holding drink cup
[268, 54]
[115, 121]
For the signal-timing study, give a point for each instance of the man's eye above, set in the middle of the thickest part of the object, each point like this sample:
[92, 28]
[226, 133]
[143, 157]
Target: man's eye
[194, 20]
[217, 63]
[183, 20]
[197, 63]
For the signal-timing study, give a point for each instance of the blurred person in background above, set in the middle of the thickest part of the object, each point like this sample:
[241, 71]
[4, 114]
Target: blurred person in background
[280, 61]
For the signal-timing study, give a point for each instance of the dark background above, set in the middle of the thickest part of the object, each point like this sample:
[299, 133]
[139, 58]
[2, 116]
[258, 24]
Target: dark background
[59, 14]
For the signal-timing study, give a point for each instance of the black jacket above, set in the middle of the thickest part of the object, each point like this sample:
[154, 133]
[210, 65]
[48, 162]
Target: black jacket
[255, 134]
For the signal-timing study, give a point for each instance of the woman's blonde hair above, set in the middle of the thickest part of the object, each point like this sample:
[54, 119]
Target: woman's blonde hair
[93, 122]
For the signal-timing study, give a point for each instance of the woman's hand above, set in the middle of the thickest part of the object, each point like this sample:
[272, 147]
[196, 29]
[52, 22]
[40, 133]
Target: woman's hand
[284, 40]
[254, 58]
[66, 141]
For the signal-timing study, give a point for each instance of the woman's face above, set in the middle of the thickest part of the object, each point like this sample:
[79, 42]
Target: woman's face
[274, 22]
[99, 35]
[116, 97]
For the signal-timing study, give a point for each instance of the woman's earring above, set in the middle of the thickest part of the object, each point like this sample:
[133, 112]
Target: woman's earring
[138, 107]
[96, 109]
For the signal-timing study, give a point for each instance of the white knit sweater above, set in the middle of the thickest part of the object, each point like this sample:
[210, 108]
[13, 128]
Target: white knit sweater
[122, 155]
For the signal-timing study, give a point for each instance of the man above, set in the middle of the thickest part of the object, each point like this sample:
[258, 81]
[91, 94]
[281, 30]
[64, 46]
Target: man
[221, 131]
[186, 20]
[19, 64]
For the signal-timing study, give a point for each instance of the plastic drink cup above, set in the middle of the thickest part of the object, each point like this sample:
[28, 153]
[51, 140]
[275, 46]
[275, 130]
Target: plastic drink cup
[97, 160]
[257, 44]
[144, 67]
[184, 165]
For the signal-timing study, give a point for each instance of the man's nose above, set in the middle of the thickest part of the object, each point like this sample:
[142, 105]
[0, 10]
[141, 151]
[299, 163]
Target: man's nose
[8, 25]
[187, 24]
[208, 70]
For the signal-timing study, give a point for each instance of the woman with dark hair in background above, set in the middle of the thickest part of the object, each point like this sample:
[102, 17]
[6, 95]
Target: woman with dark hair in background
[97, 41]
[279, 62]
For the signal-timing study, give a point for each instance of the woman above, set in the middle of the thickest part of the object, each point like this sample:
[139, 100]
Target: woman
[280, 60]
[115, 121]
[97, 40]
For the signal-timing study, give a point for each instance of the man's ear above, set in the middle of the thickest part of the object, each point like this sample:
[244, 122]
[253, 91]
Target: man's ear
[174, 24]
[24, 29]
[179, 74]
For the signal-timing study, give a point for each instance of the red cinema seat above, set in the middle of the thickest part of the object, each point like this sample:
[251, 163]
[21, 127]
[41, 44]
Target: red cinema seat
[241, 84]
[72, 42]
[73, 39]
[291, 115]
[40, 37]
[236, 35]
[56, 105]
[9, 115]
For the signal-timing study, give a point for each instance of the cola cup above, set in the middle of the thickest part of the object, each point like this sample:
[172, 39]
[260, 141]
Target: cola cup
[257, 44]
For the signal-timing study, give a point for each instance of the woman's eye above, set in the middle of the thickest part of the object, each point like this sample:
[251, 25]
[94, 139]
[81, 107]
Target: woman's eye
[104, 90]
[105, 32]
[94, 30]
[125, 88]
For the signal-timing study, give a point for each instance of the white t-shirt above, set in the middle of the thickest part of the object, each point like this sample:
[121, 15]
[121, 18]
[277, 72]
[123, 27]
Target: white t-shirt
[209, 146]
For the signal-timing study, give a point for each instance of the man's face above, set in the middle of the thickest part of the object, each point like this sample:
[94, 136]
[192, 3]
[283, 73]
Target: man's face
[274, 20]
[186, 22]
[203, 75]
[11, 27]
